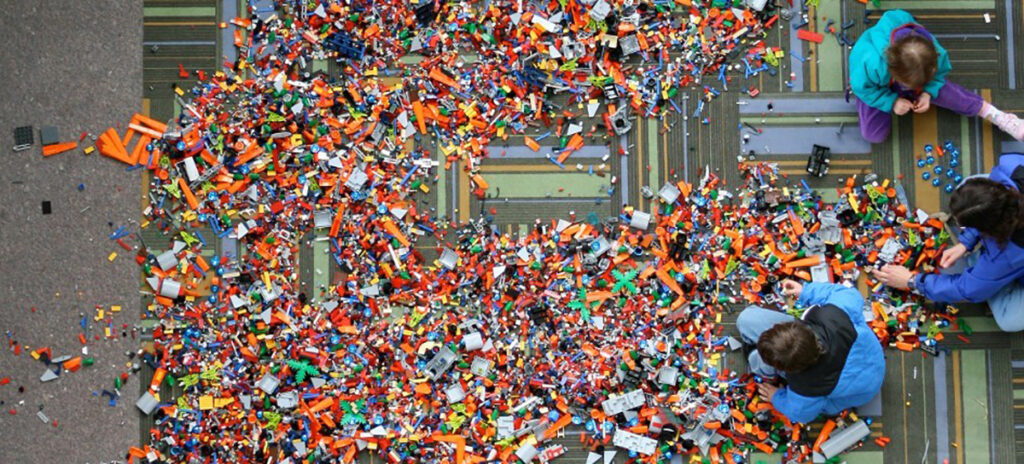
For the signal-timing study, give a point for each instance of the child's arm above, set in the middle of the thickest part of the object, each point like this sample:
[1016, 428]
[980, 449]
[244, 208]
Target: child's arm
[968, 237]
[846, 298]
[796, 407]
[868, 86]
[978, 283]
[944, 67]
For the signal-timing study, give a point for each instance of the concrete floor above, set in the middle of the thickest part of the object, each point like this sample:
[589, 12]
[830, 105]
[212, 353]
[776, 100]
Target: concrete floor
[76, 66]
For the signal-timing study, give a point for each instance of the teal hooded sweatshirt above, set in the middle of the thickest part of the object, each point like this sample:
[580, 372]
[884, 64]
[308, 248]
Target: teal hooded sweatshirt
[869, 72]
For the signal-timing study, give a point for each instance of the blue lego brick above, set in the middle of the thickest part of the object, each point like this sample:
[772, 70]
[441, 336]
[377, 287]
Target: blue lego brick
[345, 46]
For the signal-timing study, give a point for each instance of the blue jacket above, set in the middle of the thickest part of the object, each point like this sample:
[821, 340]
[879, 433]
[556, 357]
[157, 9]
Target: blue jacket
[869, 70]
[996, 267]
[863, 372]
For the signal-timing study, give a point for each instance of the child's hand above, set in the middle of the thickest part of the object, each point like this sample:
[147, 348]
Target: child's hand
[767, 391]
[894, 276]
[902, 106]
[791, 288]
[923, 103]
[951, 255]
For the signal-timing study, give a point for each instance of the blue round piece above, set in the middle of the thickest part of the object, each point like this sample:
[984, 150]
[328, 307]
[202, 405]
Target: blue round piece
[929, 148]
[950, 173]
[936, 182]
[926, 175]
[930, 160]
[949, 188]
[920, 163]
[937, 169]
[954, 163]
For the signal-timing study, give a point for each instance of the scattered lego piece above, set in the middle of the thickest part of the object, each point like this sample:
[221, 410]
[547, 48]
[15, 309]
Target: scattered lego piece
[48, 375]
[24, 138]
[147, 403]
[48, 135]
[819, 161]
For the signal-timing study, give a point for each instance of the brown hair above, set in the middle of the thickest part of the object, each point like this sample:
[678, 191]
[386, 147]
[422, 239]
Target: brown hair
[912, 60]
[789, 347]
[989, 206]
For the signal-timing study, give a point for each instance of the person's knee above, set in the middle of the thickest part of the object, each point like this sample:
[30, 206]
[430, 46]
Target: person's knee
[1010, 324]
[1008, 308]
[747, 317]
[748, 323]
[874, 136]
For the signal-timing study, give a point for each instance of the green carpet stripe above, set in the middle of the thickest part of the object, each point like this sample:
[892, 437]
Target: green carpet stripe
[321, 266]
[540, 184]
[653, 154]
[896, 169]
[965, 145]
[442, 186]
[185, 11]
[975, 406]
[830, 54]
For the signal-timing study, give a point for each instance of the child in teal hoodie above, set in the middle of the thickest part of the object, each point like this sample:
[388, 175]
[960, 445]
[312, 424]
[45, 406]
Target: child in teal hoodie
[897, 66]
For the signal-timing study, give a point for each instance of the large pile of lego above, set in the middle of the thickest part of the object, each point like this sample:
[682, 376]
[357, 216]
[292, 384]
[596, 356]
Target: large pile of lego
[499, 344]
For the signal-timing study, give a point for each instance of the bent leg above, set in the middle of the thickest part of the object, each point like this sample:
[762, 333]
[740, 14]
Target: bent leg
[875, 124]
[959, 100]
[1008, 308]
[754, 320]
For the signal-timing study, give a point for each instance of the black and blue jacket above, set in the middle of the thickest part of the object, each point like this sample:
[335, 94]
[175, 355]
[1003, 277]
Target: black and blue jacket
[851, 370]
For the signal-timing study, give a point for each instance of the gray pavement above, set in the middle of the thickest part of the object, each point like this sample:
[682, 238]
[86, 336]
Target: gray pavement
[77, 66]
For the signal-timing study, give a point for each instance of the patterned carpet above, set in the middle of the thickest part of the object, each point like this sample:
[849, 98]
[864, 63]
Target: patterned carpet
[966, 406]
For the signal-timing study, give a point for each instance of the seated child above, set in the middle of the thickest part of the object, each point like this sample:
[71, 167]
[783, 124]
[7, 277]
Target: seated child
[990, 210]
[896, 66]
[829, 358]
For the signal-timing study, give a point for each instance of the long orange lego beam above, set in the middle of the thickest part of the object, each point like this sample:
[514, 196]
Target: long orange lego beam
[57, 148]
[438, 75]
[669, 281]
[249, 154]
[530, 142]
[480, 182]
[137, 153]
[421, 118]
[805, 262]
[150, 122]
[393, 229]
[189, 196]
[559, 425]
[826, 430]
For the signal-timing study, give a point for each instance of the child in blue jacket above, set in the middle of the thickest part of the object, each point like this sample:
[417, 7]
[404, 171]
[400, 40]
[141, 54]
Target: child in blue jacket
[990, 211]
[829, 358]
[897, 66]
